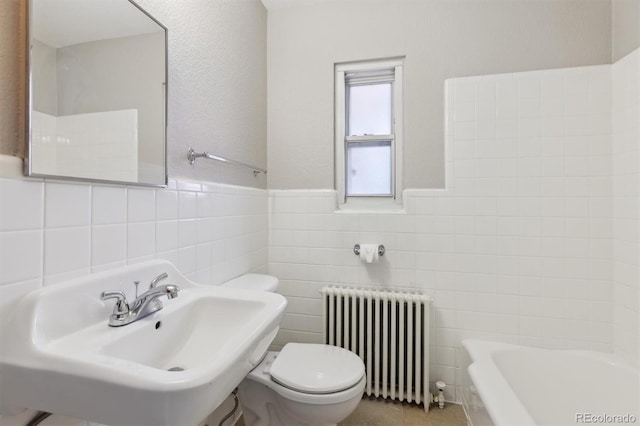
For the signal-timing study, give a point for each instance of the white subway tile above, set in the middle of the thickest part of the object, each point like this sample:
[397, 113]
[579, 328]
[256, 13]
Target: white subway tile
[22, 204]
[529, 85]
[166, 204]
[187, 233]
[141, 205]
[21, 256]
[552, 84]
[67, 205]
[108, 205]
[576, 81]
[108, 244]
[67, 250]
[203, 257]
[187, 260]
[204, 205]
[141, 240]
[170, 255]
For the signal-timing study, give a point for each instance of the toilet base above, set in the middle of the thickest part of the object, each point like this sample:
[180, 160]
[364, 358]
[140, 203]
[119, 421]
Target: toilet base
[262, 406]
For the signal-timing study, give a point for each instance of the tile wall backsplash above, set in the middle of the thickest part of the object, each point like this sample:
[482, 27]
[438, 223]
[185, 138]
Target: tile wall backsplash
[53, 231]
[626, 206]
[517, 249]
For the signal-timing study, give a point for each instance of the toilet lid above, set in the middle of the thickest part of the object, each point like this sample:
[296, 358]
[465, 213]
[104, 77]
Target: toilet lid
[314, 368]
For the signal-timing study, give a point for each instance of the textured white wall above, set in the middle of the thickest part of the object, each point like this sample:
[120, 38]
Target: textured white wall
[217, 84]
[441, 39]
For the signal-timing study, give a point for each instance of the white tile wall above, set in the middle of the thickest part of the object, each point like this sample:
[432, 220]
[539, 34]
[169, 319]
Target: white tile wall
[50, 231]
[626, 206]
[517, 249]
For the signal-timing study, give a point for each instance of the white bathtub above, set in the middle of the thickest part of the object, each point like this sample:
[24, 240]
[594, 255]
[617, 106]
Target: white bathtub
[516, 385]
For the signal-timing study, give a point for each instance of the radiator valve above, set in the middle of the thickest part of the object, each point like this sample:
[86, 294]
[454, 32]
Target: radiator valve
[439, 398]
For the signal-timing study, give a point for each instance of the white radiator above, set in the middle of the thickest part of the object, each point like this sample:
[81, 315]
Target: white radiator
[390, 333]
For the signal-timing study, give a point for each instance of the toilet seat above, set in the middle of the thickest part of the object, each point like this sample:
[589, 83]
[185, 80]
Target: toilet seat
[262, 375]
[316, 368]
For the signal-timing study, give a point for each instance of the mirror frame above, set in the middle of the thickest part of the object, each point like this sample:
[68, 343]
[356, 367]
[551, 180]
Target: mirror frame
[28, 108]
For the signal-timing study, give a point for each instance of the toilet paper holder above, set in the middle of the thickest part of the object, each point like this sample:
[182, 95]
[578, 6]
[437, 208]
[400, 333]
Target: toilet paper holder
[356, 250]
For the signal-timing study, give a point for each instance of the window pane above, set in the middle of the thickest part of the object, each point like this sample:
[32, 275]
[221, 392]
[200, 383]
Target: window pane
[370, 109]
[369, 168]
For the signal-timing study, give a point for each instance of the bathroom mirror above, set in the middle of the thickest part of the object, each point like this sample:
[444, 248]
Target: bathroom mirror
[97, 73]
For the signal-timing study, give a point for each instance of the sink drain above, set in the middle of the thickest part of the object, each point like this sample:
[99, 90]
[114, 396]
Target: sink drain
[176, 369]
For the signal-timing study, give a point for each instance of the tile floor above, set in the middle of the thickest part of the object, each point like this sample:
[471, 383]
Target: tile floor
[381, 412]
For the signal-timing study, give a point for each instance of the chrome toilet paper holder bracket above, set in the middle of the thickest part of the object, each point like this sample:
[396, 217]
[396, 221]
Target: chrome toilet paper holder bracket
[356, 250]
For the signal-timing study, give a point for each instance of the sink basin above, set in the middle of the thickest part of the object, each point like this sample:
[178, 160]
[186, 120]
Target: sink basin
[173, 367]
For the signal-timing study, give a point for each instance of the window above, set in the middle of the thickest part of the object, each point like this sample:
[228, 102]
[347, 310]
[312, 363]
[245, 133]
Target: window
[368, 123]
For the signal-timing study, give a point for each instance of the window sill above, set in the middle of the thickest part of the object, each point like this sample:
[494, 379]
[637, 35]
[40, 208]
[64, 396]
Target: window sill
[359, 205]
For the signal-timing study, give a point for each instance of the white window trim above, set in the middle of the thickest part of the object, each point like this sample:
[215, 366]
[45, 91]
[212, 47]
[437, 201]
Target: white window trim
[397, 138]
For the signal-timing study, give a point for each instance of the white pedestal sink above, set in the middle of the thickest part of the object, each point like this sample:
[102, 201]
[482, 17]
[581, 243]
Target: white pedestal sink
[171, 368]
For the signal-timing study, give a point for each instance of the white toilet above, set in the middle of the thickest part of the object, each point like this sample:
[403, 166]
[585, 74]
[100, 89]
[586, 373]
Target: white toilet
[303, 384]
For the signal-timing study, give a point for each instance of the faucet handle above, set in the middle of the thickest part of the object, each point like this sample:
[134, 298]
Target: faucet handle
[121, 307]
[154, 282]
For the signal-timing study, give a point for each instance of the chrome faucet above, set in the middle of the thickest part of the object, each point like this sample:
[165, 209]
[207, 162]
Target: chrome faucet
[147, 303]
[154, 282]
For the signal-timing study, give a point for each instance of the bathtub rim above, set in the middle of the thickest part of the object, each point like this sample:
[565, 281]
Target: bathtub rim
[496, 394]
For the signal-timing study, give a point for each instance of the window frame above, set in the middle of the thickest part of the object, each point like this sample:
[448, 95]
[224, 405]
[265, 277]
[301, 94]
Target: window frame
[363, 73]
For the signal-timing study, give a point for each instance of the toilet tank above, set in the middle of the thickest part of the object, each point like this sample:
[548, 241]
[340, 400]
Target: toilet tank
[260, 282]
